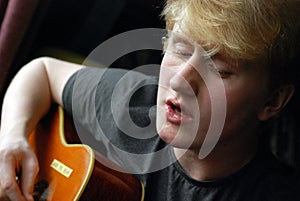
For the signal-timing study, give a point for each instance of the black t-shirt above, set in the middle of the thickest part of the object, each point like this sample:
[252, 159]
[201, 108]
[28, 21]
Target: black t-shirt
[114, 112]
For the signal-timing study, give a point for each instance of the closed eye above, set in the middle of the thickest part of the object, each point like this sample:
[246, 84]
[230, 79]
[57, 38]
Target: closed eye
[218, 69]
[182, 53]
[224, 74]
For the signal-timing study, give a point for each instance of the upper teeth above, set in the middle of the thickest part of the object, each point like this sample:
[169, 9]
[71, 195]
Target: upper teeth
[178, 110]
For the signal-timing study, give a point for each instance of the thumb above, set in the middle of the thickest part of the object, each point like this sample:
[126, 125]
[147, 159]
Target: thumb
[29, 172]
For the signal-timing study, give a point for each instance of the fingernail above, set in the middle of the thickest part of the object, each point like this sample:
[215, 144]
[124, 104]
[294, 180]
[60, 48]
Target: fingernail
[29, 198]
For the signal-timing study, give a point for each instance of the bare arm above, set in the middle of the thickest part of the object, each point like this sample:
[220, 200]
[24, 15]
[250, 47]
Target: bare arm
[27, 100]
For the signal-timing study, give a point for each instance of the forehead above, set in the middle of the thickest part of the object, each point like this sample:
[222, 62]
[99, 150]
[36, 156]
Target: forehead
[202, 42]
[258, 64]
[182, 32]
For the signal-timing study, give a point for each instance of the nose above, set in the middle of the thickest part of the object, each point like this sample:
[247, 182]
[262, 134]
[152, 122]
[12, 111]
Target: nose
[186, 80]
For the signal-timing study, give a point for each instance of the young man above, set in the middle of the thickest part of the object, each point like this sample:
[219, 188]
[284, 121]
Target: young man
[227, 63]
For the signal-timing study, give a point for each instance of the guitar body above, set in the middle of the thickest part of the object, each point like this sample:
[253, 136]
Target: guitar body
[69, 171]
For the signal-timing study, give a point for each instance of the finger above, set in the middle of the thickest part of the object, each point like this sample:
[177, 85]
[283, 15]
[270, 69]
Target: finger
[14, 193]
[29, 173]
[8, 181]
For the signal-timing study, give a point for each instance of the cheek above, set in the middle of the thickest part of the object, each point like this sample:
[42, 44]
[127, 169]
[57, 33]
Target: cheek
[242, 110]
[212, 104]
[205, 112]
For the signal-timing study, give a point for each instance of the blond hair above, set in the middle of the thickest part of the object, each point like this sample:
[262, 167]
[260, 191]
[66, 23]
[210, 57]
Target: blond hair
[243, 29]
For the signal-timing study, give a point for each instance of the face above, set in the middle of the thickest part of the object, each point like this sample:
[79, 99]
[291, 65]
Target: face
[201, 96]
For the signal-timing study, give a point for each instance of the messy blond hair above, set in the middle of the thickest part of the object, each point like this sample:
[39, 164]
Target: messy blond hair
[243, 29]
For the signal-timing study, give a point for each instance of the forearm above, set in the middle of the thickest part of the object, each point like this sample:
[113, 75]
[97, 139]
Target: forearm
[27, 99]
[31, 92]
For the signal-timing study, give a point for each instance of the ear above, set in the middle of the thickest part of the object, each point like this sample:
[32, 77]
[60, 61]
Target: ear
[276, 102]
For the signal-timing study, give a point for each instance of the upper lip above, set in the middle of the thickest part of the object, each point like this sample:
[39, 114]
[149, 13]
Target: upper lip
[176, 104]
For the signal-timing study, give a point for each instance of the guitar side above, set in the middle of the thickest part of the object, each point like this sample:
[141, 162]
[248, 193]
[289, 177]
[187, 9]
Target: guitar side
[65, 169]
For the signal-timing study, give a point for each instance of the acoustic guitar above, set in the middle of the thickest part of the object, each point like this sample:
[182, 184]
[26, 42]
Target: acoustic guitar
[68, 169]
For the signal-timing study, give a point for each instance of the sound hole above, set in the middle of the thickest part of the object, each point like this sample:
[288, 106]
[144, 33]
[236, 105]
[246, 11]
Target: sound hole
[41, 191]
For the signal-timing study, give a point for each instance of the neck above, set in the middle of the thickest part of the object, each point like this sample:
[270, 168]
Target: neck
[226, 158]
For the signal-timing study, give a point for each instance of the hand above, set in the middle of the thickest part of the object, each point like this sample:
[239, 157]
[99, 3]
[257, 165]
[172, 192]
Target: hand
[17, 160]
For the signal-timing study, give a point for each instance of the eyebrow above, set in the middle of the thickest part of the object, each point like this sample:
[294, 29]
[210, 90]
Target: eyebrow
[233, 63]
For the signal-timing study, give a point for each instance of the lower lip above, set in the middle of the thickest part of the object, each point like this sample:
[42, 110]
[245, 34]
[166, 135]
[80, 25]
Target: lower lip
[176, 118]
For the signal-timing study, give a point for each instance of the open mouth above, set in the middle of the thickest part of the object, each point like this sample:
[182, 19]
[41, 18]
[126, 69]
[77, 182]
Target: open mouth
[175, 113]
[175, 108]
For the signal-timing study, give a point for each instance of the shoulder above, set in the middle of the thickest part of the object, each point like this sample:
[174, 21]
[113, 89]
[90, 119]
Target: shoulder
[108, 83]
[112, 77]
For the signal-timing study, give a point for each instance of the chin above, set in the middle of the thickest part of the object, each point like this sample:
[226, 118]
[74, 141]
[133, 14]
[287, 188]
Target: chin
[179, 136]
[176, 138]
